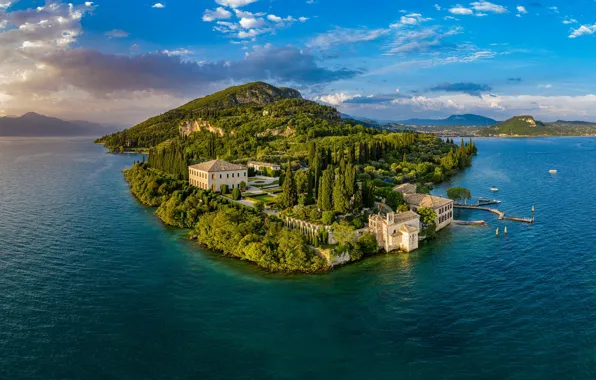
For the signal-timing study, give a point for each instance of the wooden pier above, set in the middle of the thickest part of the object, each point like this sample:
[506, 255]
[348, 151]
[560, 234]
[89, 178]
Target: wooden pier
[499, 213]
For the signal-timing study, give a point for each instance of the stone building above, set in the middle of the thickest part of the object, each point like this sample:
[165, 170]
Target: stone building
[212, 174]
[396, 231]
[406, 188]
[443, 207]
[262, 166]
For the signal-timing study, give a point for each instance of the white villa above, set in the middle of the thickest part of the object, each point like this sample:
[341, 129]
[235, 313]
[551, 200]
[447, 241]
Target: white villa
[396, 231]
[212, 174]
[261, 166]
[442, 206]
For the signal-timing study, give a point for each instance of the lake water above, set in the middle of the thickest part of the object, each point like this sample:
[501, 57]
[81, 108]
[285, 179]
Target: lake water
[93, 286]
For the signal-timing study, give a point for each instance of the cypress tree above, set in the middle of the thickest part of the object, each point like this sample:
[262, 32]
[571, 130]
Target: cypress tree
[325, 199]
[289, 196]
[341, 203]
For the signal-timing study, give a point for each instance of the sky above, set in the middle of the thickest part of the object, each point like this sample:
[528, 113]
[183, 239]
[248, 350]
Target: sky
[122, 61]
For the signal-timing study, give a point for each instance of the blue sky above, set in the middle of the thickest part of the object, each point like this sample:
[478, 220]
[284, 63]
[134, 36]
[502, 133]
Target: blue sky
[123, 61]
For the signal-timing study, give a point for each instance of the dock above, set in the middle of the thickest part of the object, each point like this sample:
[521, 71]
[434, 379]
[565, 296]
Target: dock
[499, 213]
[470, 222]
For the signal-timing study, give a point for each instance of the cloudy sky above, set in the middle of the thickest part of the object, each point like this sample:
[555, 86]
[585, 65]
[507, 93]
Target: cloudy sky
[122, 61]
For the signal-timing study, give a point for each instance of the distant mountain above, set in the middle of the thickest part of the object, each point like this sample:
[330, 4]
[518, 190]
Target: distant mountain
[467, 120]
[35, 125]
[528, 126]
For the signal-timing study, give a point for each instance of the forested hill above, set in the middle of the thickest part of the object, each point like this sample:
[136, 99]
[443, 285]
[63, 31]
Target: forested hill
[528, 126]
[248, 110]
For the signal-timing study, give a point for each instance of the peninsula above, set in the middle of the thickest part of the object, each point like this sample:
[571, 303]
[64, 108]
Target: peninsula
[261, 174]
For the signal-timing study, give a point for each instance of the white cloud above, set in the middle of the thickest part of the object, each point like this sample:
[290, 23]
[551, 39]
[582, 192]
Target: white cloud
[583, 31]
[337, 98]
[545, 86]
[420, 40]
[554, 9]
[303, 19]
[251, 33]
[245, 14]
[437, 7]
[216, 14]
[117, 33]
[235, 3]
[485, 6]
[460, 10]
[428, 104]
[569, 21]
[341, 36]
[410, 19]
[178, 52]
[274, 18]
[5, 5]
[158, 6]
[251, 23]
[501, 106]
[521, 9]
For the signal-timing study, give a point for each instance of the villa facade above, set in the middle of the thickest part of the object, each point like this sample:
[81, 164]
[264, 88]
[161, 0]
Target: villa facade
[212, 175]
[262, 166]
[443, 207]
[396, 231]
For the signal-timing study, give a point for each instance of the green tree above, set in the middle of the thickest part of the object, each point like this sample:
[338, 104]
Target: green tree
[325, 199]
[368, 243]
[236, 194]
[459, 194]
[243, 186]
[224, 189]
[341, 203]
[403, 207]
[289, 195]
[368, 194]
[427, 218]
[259, 206]
[343, 233]
[328, 217]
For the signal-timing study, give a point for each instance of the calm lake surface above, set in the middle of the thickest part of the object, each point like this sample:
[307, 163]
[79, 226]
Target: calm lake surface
[93, 286]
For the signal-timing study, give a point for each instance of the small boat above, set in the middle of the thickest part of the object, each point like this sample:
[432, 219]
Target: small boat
[552, 171]
[494, 189]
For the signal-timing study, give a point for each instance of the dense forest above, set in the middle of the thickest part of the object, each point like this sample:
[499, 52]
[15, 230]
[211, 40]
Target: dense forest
[333, 169]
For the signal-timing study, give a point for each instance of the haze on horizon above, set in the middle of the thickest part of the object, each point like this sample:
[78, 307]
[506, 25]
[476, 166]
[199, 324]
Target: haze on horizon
[121, 62]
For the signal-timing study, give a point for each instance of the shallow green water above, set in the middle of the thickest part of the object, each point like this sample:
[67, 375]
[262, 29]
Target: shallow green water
[93, 286]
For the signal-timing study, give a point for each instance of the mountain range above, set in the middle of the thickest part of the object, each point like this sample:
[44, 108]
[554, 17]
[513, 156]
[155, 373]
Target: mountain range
[466, 120]
[35, 125]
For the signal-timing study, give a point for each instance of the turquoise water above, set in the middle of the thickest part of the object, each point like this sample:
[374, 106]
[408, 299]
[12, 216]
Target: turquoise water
[93, 286]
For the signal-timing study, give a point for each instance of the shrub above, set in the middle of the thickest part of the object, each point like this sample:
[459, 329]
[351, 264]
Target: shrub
[259, 206]
[328, 217]
[236, 194]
